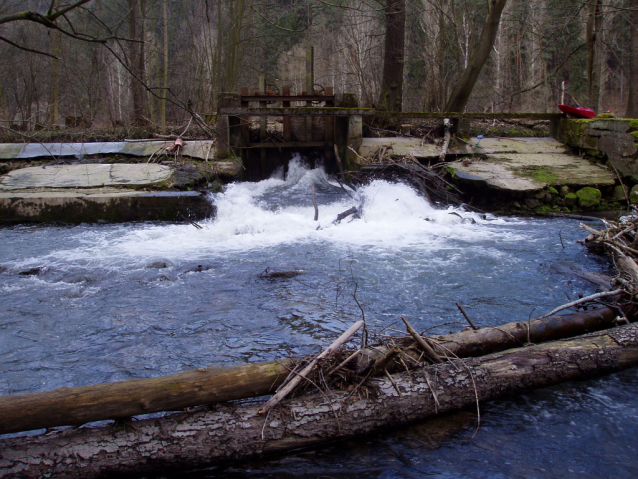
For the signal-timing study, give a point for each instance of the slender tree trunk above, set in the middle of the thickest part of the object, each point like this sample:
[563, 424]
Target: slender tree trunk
[632, 100]
[463, 88]
[137, 61]
[165, 70]
[391, 95]
[54, 96]
[223, 433]
[594, 46]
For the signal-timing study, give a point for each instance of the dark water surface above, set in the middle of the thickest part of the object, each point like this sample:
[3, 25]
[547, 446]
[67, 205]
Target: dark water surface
[114, 302]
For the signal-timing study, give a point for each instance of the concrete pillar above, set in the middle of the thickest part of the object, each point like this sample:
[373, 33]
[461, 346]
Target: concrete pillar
[354, 138]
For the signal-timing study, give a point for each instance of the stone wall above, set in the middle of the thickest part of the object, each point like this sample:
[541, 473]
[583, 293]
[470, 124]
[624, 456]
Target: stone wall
[606, 139]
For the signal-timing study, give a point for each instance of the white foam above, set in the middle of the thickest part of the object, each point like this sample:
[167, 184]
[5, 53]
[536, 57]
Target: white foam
[392, 216]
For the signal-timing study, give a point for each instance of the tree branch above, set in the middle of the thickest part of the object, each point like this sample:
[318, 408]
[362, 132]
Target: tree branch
[26, 49]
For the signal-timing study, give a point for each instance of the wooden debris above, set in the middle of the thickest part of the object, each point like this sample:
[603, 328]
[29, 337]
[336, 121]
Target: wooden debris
[80, 405]
[422, 342]
[230, 432]
[289, 386]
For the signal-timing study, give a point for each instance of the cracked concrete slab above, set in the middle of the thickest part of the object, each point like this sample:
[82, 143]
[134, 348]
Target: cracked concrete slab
[527, 164]
[85, 176]
[519, 145]
[201, 149]
[405, 147]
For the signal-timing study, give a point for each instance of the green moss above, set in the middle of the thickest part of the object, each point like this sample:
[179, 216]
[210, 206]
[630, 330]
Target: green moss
[588, 197]
[606, 115]
[634, 134]
[552, 190]
[537, 173]
[546, 209]
[633, 124]
[574, 132]
[451, 171]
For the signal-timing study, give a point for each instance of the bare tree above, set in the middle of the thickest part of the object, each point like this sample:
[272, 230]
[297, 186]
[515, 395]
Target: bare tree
[464, 86]
[391, 95]
[632, 99]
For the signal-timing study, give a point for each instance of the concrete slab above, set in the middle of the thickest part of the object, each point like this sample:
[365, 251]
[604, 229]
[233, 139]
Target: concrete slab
[405, 147]
[85, 176]
[519, 145]
[532, 171]
[103, 205]
[204, 150]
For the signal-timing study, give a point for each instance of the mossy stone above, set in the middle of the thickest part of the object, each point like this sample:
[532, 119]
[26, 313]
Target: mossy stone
[633, 194]
[571, 200]
[620, 193]
[589, 197]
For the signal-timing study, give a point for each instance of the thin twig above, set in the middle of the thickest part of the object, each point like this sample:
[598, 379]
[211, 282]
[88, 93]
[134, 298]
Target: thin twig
[466, 316]
[283, 392]
[586, 299]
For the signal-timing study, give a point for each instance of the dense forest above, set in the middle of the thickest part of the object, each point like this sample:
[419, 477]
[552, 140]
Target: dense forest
[117, 62]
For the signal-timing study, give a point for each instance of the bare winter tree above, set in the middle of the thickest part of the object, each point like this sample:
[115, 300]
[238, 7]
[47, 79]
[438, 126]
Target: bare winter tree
[632, 99]
[391, 96]
[463, 88]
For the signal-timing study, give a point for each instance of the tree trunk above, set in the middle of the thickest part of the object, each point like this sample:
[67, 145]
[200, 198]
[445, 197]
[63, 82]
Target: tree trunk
[632, 100]
[54, 87]
[162, 106]
[119, 400]
[594, 42]
[230, 432]
[391, 94]
[137, 63]
[76, 406]
[463, 88]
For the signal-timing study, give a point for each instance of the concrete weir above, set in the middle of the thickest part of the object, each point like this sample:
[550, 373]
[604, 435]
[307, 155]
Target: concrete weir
[529, 164]
[96, 192]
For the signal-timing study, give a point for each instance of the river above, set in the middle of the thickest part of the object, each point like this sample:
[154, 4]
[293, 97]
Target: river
[96, 303]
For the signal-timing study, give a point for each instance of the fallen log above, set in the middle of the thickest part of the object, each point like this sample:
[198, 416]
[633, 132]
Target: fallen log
[472, 343]
[227, 433]
[120, 400]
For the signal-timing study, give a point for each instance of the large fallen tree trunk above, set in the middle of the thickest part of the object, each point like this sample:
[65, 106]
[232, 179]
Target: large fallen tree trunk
[119, 400]
[227, 432]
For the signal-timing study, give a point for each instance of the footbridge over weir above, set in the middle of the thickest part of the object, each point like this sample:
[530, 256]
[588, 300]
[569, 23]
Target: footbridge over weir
[334, 129]
[523, 164]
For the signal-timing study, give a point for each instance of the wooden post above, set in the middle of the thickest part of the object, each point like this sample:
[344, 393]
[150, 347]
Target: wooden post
[263, 122]
[287, 126]
[226, 131]
[329, 136]
[245, 121]
[310, 87]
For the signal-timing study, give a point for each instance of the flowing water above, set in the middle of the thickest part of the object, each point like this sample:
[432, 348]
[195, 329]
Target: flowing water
[97, 303]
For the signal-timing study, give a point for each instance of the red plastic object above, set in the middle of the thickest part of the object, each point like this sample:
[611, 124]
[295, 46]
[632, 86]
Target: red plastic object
[577, 111]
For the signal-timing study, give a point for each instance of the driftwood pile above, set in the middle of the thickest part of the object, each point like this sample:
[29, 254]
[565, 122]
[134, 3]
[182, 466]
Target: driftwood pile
[409, 170]
[342, 392]
[620, 239]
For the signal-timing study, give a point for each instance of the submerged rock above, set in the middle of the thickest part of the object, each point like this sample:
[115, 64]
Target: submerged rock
[31, 271]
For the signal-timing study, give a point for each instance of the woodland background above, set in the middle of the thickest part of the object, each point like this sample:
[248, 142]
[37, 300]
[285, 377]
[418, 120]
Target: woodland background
[116, 62]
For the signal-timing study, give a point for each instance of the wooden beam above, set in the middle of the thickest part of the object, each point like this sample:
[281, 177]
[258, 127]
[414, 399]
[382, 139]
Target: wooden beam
[337, 111]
